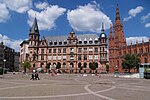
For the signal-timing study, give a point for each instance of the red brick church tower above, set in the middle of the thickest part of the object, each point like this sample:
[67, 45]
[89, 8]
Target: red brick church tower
[116, 42]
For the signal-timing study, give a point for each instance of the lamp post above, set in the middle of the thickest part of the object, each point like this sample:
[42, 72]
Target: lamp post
[4, 67]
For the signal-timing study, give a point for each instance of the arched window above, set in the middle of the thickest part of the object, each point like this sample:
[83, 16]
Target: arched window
[64, 65]
[85, 65]
[71, 65]
[79, 65]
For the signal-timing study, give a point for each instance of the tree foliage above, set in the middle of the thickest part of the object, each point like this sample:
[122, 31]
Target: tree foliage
[47, 66]
[26, 65]
[58, 66]
[130, 62]
[93, 66]
[107, 68]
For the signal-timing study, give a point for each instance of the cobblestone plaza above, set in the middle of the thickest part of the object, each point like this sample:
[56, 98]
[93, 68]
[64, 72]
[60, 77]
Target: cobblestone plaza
[73, 87]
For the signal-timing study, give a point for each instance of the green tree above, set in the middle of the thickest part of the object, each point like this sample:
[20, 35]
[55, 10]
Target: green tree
[47, 67]
[130, 62]
[93, 66]
[58, 66]
[26, 65]
[107, 68]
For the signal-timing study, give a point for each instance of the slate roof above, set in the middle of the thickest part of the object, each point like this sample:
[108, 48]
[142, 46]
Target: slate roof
[34, 28]
[55, 40]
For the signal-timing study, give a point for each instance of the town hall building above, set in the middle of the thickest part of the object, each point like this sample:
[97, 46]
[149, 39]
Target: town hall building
[70, 52]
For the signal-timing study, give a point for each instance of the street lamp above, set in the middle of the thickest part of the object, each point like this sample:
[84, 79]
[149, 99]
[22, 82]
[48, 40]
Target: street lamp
[4, 67]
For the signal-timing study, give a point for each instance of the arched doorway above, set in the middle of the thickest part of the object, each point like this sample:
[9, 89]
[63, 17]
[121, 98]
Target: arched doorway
[79, 65]
[85, 65]
[64, 65]
[41, 65]
[58, 66]
[54, 65]
[71, 65]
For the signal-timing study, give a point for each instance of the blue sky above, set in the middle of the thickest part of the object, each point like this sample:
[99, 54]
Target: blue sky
[58, 17]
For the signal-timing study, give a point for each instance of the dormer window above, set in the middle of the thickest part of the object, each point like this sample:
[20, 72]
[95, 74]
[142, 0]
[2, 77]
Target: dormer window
[96, 41]
[80, 42]
[90, 42]
[65, 42]
[85, 42]
[51, 43]
[55, 43]
[60, 43]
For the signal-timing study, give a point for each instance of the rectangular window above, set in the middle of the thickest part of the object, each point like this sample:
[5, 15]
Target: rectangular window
[96, 49]
[59, 50]
[79, 49]
[54, 57]
[59, 57]
[90, 57]
[50, 50]
[64, 50]
[85, 57]
[54, 50]
[35, 51]
[71, 57]
[49, 57]
[42, 51]
[79, 57]
[90, 49]
[95, 57]
[85, 49]
[71, 49]
[64, 57]
[42, 57]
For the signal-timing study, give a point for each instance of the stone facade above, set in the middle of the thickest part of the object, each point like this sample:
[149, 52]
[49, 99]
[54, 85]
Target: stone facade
[71, 51]
[118, 47]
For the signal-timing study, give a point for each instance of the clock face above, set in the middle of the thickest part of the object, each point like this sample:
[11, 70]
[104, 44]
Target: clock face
[35, 28]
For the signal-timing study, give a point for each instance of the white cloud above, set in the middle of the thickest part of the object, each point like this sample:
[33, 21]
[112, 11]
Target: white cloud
[127, 18]
[47, 17]
[143, 18]
[147, 25]
[4, 13]
[19, 6]
[133, 12]
[15, 44]
[41, 5]
[88, 18]
[136, 39]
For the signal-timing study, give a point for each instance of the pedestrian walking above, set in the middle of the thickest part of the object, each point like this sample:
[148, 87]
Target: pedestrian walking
[32, 76]
[37, 76]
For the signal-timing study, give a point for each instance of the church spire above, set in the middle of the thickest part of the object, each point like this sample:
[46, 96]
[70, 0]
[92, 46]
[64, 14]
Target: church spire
[34, 28]
[117, 13]
[102, 27]
[110, 35]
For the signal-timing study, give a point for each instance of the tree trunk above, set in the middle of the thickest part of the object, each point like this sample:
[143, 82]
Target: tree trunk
[129, 70]
[24, 70]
